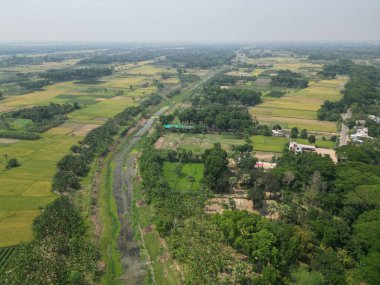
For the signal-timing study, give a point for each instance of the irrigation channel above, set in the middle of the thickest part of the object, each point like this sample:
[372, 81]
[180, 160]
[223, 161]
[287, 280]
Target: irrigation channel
[134, 271]
[124, 171]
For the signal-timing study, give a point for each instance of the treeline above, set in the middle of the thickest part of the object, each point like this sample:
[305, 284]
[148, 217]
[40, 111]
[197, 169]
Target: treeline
[361, 91]
[68, 74]
[289, 79]
[215, 94]
[45, 117]
[225, 79]
[218, 117]
[131, 56]
[97, 142]
[202, 57]
[29, 60]
[60, 252]
[19, 135]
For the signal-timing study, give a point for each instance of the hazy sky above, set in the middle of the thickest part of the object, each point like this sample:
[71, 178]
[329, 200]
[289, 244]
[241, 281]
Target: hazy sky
[189, 20]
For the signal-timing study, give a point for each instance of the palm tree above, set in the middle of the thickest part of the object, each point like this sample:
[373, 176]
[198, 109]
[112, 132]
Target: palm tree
[272, 209]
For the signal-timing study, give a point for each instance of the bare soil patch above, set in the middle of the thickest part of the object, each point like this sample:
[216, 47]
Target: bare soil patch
[85, 129]
[7, 141]
[327, 151]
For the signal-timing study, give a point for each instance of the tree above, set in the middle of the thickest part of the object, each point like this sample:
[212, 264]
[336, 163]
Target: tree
[303, 134]
[311, 139]
[294, 133]
[13, 162]
[302, 277]
[60, 252]
[276, 127]
[215, 168]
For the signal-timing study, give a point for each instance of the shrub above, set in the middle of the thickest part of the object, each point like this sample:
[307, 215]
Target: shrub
[12, 163]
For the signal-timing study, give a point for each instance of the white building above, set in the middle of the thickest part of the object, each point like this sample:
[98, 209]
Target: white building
[278, 133]
[299, 148]
[374, 118]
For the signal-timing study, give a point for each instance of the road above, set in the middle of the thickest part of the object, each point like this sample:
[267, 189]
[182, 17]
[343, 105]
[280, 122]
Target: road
[344, 131]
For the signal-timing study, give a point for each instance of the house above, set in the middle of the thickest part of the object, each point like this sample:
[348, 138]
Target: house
[360, 134]
[360, 122]
[278, 133]
[374, 118]
[299, 148]
[265, 165]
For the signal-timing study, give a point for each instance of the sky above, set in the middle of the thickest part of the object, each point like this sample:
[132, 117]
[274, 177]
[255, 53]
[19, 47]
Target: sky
[190, 20]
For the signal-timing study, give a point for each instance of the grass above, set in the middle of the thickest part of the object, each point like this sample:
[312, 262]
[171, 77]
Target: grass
[182, 181]
[155, 248]
[289, 123]
[197, 143]
[277, 144]
[27, 187]
[110, 227]
[298, 108]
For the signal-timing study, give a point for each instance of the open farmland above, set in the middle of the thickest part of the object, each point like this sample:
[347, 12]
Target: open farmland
[298, 108]
[24, 189]
[198, 143]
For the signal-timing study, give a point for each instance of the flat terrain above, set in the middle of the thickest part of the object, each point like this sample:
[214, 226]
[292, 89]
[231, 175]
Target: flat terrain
[23, 190]
[185, 176]
[298, 108]
[198, 143]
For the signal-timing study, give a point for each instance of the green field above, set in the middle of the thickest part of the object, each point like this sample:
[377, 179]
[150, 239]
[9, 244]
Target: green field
[5, 256]
[298, 108]
[198, 143]
[183, 182]
[276, 144]
[24, 189]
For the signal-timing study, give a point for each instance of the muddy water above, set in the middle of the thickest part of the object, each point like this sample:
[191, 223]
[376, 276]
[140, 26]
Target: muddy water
[124, 171]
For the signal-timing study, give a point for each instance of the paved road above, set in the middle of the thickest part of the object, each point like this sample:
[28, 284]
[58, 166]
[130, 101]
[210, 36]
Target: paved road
[344, 132]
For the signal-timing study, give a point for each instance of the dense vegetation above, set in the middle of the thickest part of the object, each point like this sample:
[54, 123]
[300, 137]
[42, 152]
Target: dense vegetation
[59, 75]
[97, 142]
[45, 117]
[289, 79]
[326, 212]
[218, 117]
[201, 57]
[19, 135]
[361, 91]
[60, 253]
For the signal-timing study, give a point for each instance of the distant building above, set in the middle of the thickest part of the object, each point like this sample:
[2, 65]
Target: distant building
[183, 127]
[374, 118]
[265, 165]
[223, 87]
[361, 133]
[299, 148]
[360, 122]
[278, 133]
